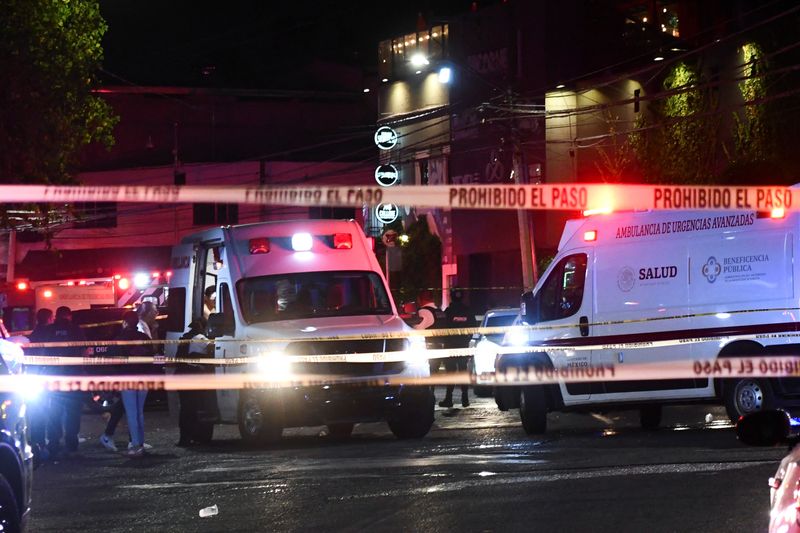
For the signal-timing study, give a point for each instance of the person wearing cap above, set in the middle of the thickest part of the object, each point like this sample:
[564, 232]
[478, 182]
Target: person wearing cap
[64, 418]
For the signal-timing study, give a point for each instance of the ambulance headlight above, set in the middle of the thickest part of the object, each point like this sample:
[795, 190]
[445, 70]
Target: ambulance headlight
[516, 336]
[416, 351]
[274, 365]
[485, 356]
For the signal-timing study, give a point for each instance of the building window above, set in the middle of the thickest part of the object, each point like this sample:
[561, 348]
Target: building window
[215, 214]
[95, 215]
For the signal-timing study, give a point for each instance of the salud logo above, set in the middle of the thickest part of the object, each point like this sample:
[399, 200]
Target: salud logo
[626, 278]
[712, 269]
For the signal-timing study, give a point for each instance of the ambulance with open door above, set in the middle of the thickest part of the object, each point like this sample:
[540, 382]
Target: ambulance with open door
[298, 280]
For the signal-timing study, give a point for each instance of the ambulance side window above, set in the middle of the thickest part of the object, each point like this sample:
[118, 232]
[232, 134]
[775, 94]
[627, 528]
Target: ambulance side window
[562, 294]
[227, 305]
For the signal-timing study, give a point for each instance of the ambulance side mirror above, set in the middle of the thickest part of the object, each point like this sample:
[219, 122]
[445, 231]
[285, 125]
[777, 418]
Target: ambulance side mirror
[529, 308]
[218, 327]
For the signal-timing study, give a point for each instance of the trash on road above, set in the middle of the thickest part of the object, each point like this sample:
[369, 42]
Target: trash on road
[209, 511]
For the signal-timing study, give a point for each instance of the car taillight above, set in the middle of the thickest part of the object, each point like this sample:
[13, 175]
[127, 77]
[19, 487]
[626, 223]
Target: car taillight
[342, 241]
[259, 246]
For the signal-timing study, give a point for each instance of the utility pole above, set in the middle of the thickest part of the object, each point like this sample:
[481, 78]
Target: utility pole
[527, 246]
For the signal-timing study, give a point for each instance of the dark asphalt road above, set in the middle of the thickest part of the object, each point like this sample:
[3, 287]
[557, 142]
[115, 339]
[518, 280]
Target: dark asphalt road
[476, 471]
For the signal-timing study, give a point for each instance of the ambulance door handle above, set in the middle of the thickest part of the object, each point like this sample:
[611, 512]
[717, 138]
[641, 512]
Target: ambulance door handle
[583, 324]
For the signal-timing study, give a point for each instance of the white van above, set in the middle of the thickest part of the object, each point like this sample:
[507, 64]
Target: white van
[671, 275]
[298, 280]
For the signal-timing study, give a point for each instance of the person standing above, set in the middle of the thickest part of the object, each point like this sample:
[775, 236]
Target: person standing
[133, 400]
[64, 419]
[38, 408]
[209, 301]
[148, 313]
[431, 317]
[191, 401]
[458, 316]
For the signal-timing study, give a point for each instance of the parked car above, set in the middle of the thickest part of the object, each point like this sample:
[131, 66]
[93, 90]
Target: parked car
[16, 457]
[483, 361]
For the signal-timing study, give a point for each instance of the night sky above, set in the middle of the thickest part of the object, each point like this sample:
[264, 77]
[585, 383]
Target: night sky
[251, 43]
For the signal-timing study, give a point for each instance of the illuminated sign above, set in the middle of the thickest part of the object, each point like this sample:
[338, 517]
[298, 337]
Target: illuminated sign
[387, 213]
[387, 175]
[385, 138]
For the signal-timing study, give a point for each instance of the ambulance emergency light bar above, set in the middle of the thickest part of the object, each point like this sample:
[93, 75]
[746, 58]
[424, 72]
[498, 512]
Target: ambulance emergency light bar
[302, 242]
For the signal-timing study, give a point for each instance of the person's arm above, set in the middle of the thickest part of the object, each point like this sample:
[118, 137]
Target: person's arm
[427, 319]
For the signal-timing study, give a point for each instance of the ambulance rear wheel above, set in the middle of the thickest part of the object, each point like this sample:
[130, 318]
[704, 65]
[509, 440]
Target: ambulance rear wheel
[650, 417]
[260, 418]
[746, 396]
[533, 410]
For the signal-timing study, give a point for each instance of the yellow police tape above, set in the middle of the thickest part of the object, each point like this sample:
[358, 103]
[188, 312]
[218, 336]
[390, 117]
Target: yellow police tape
[545, 196]
[736, 368]
[445, 332]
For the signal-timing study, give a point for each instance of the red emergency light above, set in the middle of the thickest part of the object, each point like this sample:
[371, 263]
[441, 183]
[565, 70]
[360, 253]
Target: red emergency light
[70, 284]
[342, 241]
[22, 286]
[156, 274]
[47, 293]
[168, 274]
[123, 284]
[259, 246]
[590, 236]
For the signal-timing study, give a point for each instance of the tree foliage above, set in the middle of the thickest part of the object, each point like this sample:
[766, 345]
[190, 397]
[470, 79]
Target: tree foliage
[677, 141]
[49, 53]
[422, 259]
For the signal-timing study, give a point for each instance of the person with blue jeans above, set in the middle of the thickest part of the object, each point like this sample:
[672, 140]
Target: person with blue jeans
[133, 400]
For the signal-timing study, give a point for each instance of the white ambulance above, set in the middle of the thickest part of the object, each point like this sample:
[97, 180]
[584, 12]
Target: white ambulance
[667, 275]
[298, 280]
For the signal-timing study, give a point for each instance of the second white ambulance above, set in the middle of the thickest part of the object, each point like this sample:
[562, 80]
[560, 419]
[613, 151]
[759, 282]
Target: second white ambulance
[731, 277]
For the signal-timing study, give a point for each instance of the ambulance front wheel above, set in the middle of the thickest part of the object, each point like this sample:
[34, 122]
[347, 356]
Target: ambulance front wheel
[746, 396]
[260, 418]
[413, 418]
[533, 409]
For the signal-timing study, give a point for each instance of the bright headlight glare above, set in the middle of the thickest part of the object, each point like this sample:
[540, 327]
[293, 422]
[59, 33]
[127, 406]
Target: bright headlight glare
[516, 336]
[417, 350]
[274, 365]
[485, 355]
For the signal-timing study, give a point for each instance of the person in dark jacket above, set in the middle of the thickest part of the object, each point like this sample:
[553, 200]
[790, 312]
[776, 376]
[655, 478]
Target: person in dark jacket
[458, 316]
[38, 409]
[192, 401]
[64, 419]
[431, 317]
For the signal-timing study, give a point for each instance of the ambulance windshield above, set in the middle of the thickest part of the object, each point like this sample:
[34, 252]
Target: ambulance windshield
[311, 295]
